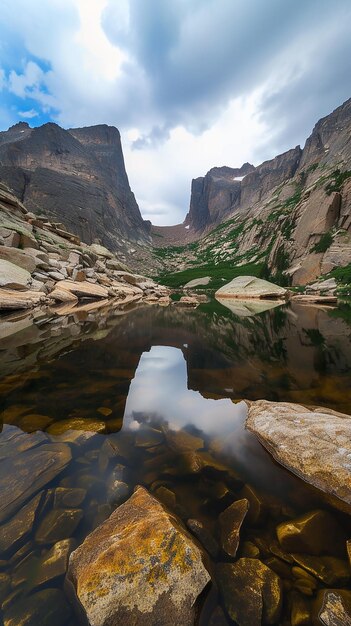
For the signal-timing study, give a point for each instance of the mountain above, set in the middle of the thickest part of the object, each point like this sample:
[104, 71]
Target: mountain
[289, 219]
[76, 177]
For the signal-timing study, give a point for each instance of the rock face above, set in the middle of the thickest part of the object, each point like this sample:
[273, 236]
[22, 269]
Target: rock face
[213, 195]
[74, 176]
[139, 567]
[292, 213]
[246, 287]
[314, 444]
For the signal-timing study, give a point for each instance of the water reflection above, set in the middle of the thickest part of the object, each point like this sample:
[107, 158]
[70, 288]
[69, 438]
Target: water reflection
[93, 406]
[160, 388]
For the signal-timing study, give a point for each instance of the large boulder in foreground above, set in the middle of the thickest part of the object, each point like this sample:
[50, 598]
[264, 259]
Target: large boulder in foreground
[313, 443]
[140, 567]
[246, 287]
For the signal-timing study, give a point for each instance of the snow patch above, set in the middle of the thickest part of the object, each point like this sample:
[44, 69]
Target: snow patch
[240, 178]
[187, 227]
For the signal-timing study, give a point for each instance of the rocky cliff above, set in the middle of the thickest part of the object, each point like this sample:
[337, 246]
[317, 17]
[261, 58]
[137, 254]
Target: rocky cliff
[76, 177]
[213, 195]
[288, 220]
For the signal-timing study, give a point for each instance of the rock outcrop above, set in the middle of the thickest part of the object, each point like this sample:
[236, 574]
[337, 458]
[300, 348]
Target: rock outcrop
[247, 287]
[314, 444]
[41, 263]
[76, 177]
[140, 566]
[213, 195]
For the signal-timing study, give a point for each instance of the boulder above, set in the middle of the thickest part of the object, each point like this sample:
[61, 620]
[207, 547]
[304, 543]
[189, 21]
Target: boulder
[139, 567]
[246, 287]
[63, 295]
[252, 592]
[18, 257]
[84, 289]
[197, 282]
[12, 276]
[312, 443]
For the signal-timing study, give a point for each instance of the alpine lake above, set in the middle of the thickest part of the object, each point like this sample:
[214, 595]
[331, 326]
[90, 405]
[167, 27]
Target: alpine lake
[97, 402]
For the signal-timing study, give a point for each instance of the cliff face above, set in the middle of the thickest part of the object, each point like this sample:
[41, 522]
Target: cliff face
[290, 217]
[224, 190]
[76, 177]
[213, 195]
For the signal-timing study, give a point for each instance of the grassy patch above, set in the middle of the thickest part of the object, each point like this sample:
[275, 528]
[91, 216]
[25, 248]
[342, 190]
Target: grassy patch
[220, 274]
[338, 179]
[324, 243]
[342, 274]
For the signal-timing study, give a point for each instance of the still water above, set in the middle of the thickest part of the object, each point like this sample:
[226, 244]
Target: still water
[97, 403]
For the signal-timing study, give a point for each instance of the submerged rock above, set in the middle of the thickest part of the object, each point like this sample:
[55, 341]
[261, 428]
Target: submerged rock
[252, 592]
[314, 444]
[139, 567]
[45, 608]
[316, 532]
[30, 471]
[230, 523]
[20, 525]
[58, 524]
[246, 287]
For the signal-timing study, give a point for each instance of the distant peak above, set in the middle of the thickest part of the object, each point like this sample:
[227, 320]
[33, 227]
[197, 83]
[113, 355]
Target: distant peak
[20, 126]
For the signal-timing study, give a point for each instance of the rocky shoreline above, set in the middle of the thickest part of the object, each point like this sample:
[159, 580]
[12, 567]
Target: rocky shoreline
[42, 264]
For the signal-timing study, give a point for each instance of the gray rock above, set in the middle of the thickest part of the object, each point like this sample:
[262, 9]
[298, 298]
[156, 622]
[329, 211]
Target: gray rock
[12, 276]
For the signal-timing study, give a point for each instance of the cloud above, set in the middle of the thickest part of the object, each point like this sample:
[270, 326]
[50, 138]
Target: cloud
[190, 83]
[28, 114]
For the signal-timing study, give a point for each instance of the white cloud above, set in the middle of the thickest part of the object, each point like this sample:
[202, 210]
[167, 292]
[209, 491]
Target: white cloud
[28, 114]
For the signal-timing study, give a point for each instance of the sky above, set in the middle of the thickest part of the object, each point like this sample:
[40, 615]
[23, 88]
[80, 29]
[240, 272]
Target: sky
[190, 84]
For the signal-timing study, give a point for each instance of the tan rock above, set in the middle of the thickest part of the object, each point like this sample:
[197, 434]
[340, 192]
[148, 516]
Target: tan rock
[63, 295]
[139, 567]
[84, 289]
[314, 444]
[13, 299]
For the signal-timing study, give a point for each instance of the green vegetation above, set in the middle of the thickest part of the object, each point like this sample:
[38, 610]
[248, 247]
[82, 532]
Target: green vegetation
[342, 274]
[338, 179]
[324, 243]
[220, 274]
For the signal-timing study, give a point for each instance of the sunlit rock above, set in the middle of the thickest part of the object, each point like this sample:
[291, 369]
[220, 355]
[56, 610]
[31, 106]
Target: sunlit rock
[315, 444]
[139, 567]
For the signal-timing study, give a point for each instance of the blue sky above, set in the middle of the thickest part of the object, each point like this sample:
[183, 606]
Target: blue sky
[191, 84]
